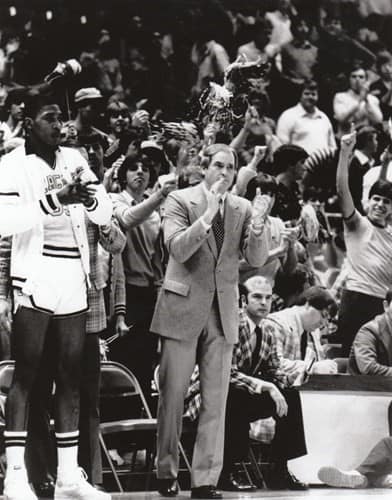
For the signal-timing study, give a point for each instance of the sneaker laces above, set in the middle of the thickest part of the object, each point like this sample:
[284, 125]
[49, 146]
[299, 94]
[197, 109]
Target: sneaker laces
[82, 481]
[83, 474]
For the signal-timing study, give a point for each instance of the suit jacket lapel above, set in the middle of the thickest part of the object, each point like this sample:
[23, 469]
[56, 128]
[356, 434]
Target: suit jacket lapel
[199, 204]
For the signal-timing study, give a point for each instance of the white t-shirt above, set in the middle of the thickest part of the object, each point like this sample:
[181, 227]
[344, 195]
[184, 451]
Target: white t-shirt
[369, 257]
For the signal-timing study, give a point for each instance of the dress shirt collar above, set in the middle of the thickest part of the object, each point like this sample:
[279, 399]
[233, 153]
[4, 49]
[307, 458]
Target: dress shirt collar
[252, 325]
[297, 318]
[205, 189]
[130, 199]
[362, 158]
[316, 113]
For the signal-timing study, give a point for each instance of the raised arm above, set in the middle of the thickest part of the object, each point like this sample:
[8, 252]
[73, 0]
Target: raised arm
[342, 185]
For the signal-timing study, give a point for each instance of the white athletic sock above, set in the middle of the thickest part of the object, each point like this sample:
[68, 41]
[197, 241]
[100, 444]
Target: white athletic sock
[15, 444]
[67, 456]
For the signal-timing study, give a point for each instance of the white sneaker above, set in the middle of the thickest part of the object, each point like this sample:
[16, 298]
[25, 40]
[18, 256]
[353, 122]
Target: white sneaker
[16, 486]
[342, 479]
[80, 489]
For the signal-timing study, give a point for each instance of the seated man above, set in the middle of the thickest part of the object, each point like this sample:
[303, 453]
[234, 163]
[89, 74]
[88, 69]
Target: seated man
[253, 395]
[375, 470]
[294, 330]
[371, 352]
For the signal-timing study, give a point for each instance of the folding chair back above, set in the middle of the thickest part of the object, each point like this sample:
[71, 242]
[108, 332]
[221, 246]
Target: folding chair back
[118, 382]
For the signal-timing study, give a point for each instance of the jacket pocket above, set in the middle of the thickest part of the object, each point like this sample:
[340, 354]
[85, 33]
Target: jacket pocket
[176, 287]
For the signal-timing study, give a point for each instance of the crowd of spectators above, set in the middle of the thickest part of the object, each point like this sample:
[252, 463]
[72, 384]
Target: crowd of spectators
[312, 132]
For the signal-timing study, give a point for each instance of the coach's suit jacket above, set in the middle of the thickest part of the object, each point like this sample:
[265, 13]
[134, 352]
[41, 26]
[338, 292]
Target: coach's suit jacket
[195, 271]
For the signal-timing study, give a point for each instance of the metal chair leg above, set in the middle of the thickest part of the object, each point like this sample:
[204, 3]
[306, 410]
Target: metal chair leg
[256, 467]
[111, 464]
[182, 451]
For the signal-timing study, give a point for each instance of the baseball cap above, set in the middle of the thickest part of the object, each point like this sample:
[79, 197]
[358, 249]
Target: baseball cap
[86, 94]
[150, 145]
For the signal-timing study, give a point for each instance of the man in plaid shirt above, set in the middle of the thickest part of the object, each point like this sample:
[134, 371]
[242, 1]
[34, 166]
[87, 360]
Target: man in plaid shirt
[254, 394]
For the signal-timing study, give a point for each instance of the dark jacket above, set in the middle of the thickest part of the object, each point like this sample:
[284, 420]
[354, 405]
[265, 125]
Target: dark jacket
[371, 352]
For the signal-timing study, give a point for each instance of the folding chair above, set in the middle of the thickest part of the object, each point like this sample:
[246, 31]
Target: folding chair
[117, 381]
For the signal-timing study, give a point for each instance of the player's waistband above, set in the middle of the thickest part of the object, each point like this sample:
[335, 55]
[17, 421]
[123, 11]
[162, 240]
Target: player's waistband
[61, 252]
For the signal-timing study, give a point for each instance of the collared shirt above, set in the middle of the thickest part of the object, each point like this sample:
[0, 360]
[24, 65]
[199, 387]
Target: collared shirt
[362, 158]
[311, 131]
[142, 256]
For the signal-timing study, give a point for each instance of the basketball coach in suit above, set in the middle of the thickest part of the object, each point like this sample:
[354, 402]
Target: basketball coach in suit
[206, 230]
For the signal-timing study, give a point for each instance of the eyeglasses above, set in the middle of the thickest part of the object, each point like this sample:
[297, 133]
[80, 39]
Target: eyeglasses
[133, 167]
[117, 114]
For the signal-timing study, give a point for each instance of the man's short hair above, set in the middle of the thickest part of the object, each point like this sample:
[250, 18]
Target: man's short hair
[116, 105]
[356, 66]
[383, 57]
[254, 281]
[34, 103]
[319, 298]
[381, 188]
[267, 184]
[245, 288]
[214, 149]
[309, 85]
[15, 96]
[364, 134]
[288, 155]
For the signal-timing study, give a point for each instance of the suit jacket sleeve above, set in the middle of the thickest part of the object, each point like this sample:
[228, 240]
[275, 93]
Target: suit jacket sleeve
[365, 352]
[181, 238]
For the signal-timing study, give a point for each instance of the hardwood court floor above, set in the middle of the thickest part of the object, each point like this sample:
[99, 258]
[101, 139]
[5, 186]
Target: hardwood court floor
[313, 494]
[318, 493]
